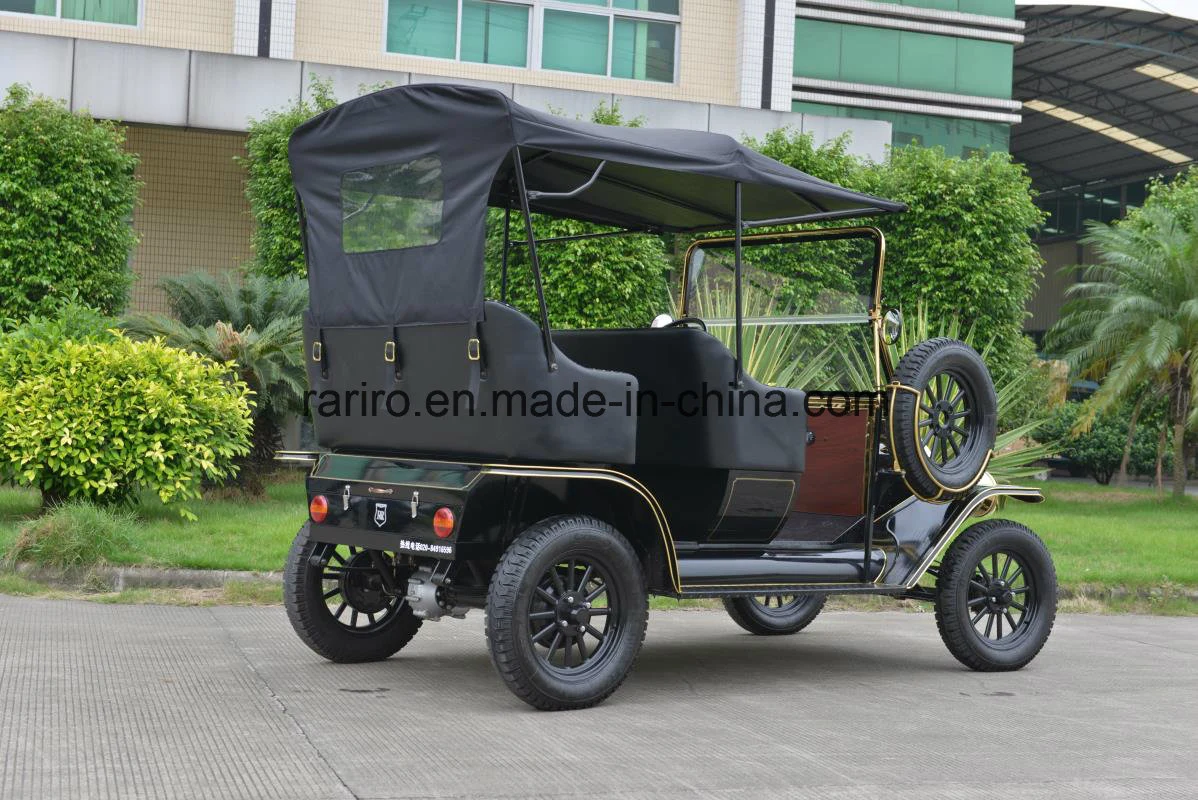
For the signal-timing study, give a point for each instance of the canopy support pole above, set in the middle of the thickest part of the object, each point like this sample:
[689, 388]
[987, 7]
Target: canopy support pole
[740, 226]
[533, 260]
[507, 246]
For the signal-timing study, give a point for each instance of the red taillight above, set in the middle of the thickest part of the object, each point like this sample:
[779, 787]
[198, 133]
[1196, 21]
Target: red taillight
[443, 522]
[318, 509]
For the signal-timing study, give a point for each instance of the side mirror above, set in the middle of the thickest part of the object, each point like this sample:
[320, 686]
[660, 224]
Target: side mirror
[892, 325]
[661, 321]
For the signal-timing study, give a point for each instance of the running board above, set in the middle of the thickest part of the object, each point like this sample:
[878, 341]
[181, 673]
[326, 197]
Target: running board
[841, 567]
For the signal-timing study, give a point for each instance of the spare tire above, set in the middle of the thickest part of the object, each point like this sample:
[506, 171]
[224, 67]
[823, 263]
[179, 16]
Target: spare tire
[943, 414]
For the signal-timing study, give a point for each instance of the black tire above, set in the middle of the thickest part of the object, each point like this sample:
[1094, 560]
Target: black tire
[943, 435]
[774, 615]
[970, 608]
[535, 619]
[388, 621]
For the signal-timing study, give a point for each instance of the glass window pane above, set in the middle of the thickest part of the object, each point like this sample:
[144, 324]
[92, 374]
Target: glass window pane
[995, 8]
[984, 68]
[643, 50]
[46, 7]
[928, 62]
[575, 42]
[817, 49]
[422, 27]
[391, 206]
[659, 6]
[119, 12]
[869, 55]
[587, 2]
[493, 33]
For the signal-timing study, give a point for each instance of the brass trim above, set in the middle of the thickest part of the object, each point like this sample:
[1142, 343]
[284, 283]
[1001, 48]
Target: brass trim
[473, 349]
[317, 350]
[612, 476]
[951, 530]
[377, 490]
[389, 351]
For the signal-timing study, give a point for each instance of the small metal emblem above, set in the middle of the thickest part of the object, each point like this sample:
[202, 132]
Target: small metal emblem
[345, 498]
[380, 514]
[415, 503]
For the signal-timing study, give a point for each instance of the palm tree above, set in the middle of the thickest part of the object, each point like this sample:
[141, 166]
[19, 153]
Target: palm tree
[256, 326]
[1134, 317]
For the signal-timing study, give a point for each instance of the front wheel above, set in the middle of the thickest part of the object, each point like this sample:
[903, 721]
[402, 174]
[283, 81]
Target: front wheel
[996, 596]
[776, 614]
[340, 607]
[566, 613]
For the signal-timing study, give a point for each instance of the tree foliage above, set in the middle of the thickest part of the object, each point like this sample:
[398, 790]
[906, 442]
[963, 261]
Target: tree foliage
[102, 420]
[1133, 320]
[67, 191]
[1097, 448]
[278, 251]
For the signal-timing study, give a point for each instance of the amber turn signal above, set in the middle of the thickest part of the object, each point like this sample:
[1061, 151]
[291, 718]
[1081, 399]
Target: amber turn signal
[318, 509]
[443, 522]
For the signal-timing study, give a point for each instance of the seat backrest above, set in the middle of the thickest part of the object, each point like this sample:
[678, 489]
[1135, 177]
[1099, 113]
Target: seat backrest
[690, 411]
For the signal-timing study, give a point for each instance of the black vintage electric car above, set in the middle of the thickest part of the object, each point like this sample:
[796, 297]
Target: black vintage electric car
[761, 448]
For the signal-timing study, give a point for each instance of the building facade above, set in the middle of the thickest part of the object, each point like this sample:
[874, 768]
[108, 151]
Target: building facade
[938, 70]
[187, 76]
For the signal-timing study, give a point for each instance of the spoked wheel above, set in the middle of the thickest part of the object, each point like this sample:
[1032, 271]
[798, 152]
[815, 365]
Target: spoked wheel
[996, 596]
[944, 416]
[570, 615]
[341, 609]
[566, 613]
[775, 614]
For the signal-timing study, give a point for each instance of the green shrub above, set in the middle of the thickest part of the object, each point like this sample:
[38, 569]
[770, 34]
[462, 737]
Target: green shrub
[74, 534]
[1098, 450]
[67, 192]
[24, 348]
[103, 420]
[278, 251]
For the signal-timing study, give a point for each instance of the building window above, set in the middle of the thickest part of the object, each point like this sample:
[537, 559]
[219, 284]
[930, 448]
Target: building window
[117, 12]
[636, 39]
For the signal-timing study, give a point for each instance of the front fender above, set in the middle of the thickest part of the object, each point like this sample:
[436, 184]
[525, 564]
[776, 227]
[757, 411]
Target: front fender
[922, 530]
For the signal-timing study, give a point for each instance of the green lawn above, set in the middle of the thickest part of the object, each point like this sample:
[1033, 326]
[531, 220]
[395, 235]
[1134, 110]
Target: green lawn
[230, 534]
[1114, 537]
[1098, 535]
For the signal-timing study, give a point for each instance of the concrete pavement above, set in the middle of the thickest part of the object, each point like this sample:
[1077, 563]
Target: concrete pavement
[159, 702]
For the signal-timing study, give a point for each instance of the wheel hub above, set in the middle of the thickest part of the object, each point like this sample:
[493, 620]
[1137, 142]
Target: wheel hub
[362, 586]
[573, 612]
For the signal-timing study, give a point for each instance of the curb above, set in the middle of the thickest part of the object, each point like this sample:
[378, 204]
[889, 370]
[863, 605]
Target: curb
[117, 579]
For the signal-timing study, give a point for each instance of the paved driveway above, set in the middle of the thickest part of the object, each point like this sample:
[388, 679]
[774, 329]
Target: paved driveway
[144, 701]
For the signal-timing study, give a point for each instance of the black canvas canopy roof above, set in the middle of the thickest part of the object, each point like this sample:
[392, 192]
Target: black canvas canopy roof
[452, 148]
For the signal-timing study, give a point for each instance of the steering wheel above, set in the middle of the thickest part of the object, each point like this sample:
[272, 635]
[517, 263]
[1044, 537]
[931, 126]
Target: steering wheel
[686, 322]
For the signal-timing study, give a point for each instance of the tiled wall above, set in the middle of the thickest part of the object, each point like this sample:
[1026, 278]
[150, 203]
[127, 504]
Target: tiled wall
[193, 214]
[185, 24]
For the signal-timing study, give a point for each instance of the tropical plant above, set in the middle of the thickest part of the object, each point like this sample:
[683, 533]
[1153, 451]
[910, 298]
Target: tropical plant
[254, 325]
[102, 420]
[67, 191]
[1133, 320]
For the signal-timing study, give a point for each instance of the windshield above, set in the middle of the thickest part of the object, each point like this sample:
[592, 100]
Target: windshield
[805, 302]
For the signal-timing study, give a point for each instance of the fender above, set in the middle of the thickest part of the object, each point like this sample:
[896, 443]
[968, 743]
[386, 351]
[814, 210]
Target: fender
[610, 476]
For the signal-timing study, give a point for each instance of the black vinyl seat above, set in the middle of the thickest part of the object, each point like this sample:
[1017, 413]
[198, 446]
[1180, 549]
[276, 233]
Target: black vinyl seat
[694, 430]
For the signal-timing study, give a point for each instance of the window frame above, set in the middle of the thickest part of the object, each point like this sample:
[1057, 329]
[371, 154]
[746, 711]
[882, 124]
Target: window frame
[536, 27]
[58, 17]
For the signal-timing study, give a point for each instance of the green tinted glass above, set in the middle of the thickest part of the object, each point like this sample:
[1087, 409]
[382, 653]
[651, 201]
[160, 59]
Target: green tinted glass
[46, 7]
[817, 49]
[422, 27]
[928, 62]
[575, 42]
[587, 2]
[869, 55]
[994, 8]
[120, 12]
[494, 33]
[658, 6]
[643, 50]
[984, 68]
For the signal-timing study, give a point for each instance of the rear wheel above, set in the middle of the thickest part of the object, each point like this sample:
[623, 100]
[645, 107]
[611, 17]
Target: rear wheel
[775, 614]
[996, 596]
[340, 608]
[566, 613]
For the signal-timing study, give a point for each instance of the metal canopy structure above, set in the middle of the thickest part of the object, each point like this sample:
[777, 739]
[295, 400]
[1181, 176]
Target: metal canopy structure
[1110, 90]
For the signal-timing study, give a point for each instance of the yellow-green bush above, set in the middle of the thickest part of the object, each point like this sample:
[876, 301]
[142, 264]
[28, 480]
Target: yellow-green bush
[103, 420]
